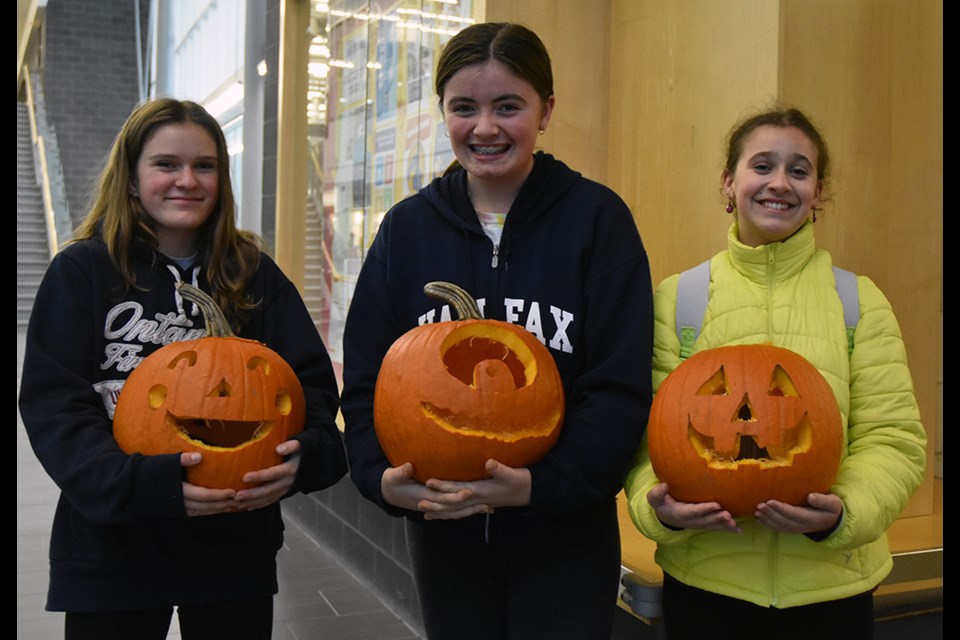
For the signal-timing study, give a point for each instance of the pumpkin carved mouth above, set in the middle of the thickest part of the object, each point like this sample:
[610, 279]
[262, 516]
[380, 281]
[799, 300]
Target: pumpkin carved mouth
[749, 449]
[227, 434]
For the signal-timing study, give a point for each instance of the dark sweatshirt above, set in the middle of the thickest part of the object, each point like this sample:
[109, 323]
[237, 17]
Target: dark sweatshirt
[570, 267]
[121, 538]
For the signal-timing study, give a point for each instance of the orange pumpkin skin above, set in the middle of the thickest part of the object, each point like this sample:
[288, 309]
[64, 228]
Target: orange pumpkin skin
[451, 395]
[230, 399]
[743, 424]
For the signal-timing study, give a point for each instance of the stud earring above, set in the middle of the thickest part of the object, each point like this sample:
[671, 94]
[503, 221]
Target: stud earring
[542, 131]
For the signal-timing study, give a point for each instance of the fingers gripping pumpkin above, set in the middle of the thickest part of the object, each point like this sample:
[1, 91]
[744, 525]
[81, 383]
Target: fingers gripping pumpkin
[451, 395]
[742, 424]
[231, 399]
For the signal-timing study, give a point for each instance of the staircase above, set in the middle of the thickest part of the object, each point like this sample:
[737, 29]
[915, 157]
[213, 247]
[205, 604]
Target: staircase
[33, 253]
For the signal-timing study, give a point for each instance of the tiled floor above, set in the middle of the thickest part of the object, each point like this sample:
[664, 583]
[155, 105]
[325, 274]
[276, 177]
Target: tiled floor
[319, 599]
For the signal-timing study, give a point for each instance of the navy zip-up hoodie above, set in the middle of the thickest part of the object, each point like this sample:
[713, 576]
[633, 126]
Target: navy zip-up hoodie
[570, 268]
[121, 538]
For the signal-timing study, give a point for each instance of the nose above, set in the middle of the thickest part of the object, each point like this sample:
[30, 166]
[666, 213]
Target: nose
[486, 125]
[186, 179]
[778, 180]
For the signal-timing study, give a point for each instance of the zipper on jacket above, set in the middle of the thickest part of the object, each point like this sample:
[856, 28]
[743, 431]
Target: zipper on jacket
[774, 568]
[771, 280]
[496, 257]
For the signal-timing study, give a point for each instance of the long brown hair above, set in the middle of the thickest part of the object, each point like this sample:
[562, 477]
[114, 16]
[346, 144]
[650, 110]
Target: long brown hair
[230, 256]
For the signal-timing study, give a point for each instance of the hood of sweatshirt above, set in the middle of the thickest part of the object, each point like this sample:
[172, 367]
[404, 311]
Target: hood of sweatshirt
[548, 182]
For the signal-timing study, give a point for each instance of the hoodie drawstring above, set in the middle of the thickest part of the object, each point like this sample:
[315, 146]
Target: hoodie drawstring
[194, 311]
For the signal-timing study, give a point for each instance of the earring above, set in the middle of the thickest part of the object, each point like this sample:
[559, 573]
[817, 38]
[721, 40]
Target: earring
[446, 134]
[542, 131]
[729, 208]
[814, 215]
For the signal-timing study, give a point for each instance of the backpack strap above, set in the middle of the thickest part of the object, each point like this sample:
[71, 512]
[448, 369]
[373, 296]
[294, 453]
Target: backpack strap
[693, 292]
[847, 289]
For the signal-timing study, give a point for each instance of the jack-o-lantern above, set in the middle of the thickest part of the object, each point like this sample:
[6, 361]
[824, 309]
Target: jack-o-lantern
[231, 399]
[451, 395]
[743, 424]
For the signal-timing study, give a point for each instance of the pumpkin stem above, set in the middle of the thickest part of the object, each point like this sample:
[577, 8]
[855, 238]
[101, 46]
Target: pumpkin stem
[213, 318]
[462, 302]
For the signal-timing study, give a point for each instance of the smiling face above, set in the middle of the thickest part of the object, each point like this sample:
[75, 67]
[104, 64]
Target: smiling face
[177, 183]
[493, 118]
[775, 184]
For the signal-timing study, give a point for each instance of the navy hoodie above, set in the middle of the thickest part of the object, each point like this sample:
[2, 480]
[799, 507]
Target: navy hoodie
[121, 538]
[570, 268]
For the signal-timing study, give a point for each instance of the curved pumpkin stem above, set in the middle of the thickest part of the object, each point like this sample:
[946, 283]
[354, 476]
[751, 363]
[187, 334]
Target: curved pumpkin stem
[213, 318]
[462, 302]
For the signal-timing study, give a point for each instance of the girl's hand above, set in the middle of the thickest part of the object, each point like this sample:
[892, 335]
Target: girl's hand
[276, 481]
[401, 490]
[709, 516]
[822, 512]
[506, 487]
[200, 501]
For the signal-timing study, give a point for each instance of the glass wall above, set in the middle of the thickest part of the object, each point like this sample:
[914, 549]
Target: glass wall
[376, 132]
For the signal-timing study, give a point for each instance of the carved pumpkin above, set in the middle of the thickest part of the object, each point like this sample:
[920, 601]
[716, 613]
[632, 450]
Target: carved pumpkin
[231, 399]
[743, 424]
[451, 395]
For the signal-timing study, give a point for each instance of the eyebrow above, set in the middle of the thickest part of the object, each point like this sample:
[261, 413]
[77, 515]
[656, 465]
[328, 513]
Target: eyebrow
[163, 156]
[501, 98]
[791, 158]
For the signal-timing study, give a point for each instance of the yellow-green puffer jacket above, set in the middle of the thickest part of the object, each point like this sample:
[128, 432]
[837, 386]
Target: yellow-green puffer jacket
[784, 294]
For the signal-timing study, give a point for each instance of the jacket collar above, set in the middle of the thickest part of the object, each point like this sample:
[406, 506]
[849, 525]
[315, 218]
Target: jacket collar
[784, 259]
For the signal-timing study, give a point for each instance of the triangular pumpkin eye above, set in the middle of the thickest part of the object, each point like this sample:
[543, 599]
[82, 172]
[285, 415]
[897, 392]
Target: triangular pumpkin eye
[222, 390]
[781, 384]
[716, 385]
